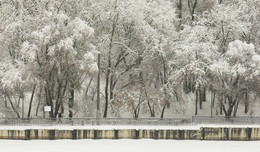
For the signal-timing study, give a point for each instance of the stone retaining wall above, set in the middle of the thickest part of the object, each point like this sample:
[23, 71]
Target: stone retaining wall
[239, 134]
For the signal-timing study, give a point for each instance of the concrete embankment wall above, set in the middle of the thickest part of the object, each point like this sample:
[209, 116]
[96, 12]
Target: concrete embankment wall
[201, 134]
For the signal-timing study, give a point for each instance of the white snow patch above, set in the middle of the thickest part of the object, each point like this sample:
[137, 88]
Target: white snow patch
[127, 145]
[111, 127]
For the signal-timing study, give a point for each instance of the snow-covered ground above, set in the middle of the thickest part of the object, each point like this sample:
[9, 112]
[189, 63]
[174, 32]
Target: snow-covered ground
[104, 127]
[127, 146]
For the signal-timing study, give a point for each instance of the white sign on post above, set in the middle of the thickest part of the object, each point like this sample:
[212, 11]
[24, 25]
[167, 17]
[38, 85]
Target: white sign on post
[47, 108]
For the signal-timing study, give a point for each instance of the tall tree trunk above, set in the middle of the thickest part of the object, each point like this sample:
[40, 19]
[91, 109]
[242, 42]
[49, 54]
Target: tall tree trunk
[59, 100]
[235, 110]
[48, 100]
[98, 89]
[190, 82]
[221, 106]
[151, 109]
[111, 95]
[71, 99]
[179, 8]
[5, 100]
[196, 102]
[39, 101]
[192, 6]
[49, 95]
[231, 105]
[136, 111]
[229, 112]
[187, 84]
[221, 109]
[204, 94]
[176, 96]
[109, 62]
[12, 105]
[165, 78]
[200, 97]
[93, 95]
[163, 110]
[30, 106]
[18, 102]
[106, 88]
[246, 103]
[138, 106]
[214, 96]
[193, 84]
[88, 86]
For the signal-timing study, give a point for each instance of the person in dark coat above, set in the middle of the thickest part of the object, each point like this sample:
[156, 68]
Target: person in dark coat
[59, 116]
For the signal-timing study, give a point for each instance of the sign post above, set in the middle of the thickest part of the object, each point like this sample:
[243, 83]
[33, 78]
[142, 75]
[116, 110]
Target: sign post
[46, 109]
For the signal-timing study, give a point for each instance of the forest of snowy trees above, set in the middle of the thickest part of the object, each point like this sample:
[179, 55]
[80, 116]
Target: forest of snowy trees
[159, 58]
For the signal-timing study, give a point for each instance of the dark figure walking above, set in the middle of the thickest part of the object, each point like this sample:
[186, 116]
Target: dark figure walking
[59, 116]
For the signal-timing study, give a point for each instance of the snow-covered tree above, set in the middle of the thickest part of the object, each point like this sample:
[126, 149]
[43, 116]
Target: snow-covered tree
[232, 75]
[157, 57]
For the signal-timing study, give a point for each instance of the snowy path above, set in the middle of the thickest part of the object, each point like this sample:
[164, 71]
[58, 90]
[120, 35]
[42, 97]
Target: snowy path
[111, 127]
[127, 146]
